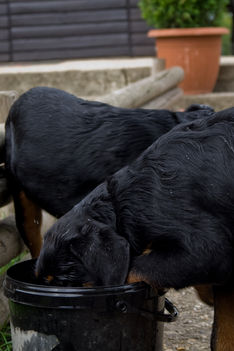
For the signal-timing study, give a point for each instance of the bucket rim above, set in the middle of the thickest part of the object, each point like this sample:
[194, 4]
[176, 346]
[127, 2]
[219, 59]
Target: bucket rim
[14, 283]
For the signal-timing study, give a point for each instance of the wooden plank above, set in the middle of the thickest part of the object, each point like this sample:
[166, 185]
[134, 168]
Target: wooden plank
[135, 14]
[4, 34]
[4, 46]
[3, 9]
[3, 21]
[141, 39]
[72, 53]
[139, 26]
[64, 30]
[17, 1]
[4, 57]
[143, 50]
[133, 3]
[69, 42]
[61, 6]
[68, 18]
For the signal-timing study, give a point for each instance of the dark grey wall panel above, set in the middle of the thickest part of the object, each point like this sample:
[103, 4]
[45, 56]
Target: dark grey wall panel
[4, 57]
[64, 5]
[68, 18]
[141, 39]
[3, 9]
[135, 14]
[4, 34]
[66, 54]
[142, 50]
[4, 47]
[139, 27]
[4, 21]
[62, 29]
[70, 42]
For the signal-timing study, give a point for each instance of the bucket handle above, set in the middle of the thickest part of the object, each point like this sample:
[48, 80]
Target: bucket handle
[168, 317]
[121, 306]
[161, 316]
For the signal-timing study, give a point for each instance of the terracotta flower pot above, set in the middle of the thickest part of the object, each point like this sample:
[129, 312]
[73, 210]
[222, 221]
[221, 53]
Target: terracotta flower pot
[196, 50]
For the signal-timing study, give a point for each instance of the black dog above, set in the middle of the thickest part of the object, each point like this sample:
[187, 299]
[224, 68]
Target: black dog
[59, 147]
[176, 201]
[167, 218]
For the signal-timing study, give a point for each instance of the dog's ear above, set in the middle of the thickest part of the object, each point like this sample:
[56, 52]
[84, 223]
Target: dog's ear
[104, 254]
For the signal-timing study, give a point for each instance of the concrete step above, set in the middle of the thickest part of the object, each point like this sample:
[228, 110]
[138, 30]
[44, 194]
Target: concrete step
[86, 78]
[225, 81]
[218, 101]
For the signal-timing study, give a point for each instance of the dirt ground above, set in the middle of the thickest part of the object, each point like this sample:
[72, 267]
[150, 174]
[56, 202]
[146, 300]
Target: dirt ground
[192, 330]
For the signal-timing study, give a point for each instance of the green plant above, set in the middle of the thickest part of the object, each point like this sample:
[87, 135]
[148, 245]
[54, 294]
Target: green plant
[5, 338]
[183, 13]
[226, 39]
[12, 262]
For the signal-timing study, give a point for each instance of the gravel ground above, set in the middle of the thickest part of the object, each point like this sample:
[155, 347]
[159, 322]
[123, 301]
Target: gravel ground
[192, 330]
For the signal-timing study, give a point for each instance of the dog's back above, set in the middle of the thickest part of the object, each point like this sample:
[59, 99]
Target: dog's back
[59, 147]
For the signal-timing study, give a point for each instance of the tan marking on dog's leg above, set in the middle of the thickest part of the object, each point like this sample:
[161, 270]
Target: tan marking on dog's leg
[137, 278]
[134, 278]
[88, 285]
[146, 252]
[28, 219]
[224, 319]
[205, 293]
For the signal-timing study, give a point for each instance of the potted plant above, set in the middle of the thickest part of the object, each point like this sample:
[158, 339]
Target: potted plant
[188, 36]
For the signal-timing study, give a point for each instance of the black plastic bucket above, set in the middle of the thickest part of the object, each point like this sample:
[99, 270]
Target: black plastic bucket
[123, 318]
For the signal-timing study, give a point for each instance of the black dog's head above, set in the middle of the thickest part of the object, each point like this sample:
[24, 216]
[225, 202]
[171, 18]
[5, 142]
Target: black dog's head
[91, 254]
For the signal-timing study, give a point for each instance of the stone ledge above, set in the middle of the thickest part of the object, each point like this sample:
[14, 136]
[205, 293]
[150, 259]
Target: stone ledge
[79, 77]
[225, 81]
[218, 101]
[6, 100]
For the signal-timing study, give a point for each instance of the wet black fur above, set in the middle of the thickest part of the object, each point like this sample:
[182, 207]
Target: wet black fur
[177, 196]
[60, 147]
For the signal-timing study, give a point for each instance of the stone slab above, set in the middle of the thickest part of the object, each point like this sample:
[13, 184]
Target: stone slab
[6, 100]
[218, 101]
[225, 81]
[79, 77]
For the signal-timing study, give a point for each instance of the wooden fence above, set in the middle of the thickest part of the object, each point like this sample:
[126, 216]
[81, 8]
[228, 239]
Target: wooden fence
[62, 29]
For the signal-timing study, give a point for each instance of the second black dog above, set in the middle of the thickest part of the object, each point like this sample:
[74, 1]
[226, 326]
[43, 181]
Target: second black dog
[176, 201]
[60, 147]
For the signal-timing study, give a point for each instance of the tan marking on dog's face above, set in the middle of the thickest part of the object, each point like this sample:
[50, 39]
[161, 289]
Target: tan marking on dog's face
[148, 249]
[49, 278]
[87, 285]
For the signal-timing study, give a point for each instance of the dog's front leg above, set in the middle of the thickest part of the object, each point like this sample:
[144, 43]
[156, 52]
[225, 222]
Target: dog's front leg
[28, 219]
[223, 328]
